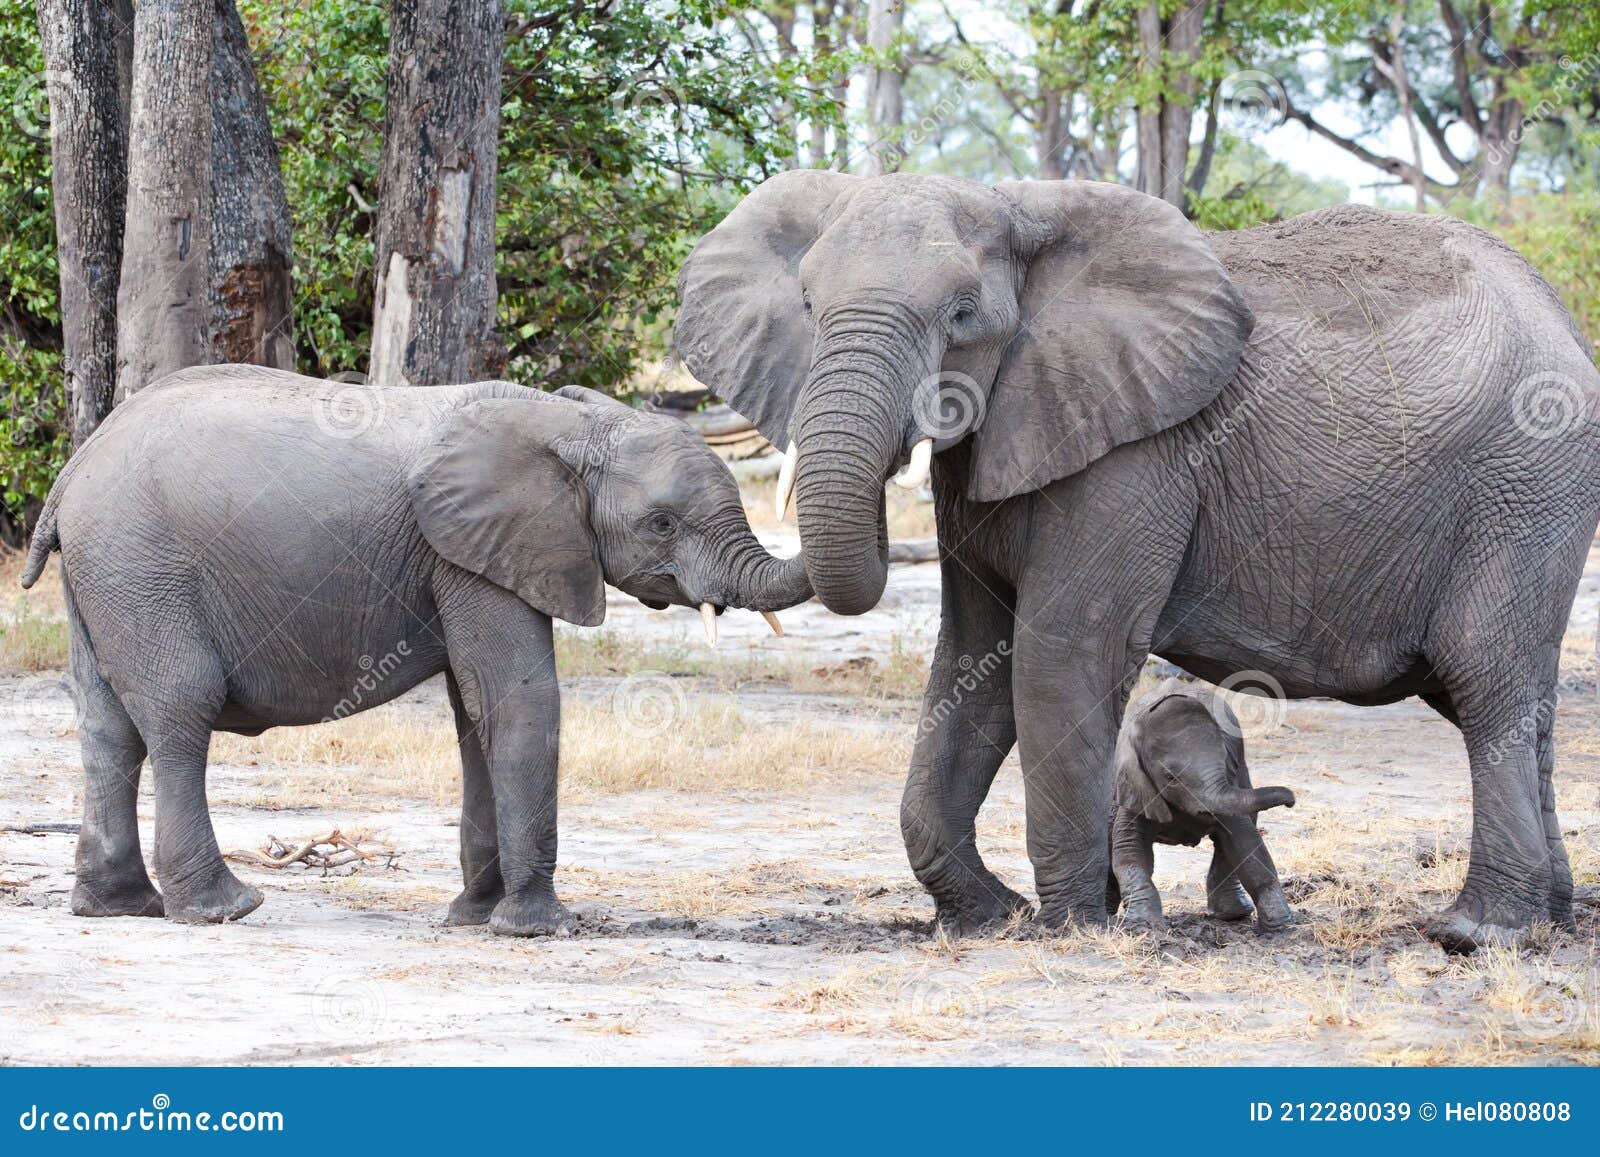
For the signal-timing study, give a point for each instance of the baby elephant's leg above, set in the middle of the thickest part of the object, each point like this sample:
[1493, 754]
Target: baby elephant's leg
[1133, 865]
[1238, 839]
[1225, 896]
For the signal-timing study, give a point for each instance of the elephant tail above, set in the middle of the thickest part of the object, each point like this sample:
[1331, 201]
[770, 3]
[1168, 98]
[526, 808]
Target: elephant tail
[45, 540]
[1247, 801]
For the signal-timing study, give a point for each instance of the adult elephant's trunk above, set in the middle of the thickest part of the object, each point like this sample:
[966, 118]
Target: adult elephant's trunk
[851, 430]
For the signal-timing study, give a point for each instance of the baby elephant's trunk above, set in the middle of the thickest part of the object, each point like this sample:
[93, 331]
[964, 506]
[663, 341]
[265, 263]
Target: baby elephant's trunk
[1247, 801]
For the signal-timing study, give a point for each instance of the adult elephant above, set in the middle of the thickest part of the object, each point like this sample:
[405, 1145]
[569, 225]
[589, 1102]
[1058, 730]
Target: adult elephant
[1355, 453]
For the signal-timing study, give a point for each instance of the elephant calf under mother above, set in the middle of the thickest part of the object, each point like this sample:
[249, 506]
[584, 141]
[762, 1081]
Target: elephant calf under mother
[1355, 454]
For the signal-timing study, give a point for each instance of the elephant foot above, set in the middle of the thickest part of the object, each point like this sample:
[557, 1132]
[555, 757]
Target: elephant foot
[981, 911]
[1473, 922]
[117, 898]
[1066, 917]
[1274, 914]
[471, 908]
[532, 916]
[215, 899]
[1138, 919]
[1230, 903]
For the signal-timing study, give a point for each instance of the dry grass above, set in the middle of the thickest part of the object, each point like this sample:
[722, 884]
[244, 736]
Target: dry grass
[31, 643]
[44, 600]
[398, 752]
[901, 675]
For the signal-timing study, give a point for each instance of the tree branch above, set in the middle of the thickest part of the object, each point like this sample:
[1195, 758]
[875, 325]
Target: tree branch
[1460, 68]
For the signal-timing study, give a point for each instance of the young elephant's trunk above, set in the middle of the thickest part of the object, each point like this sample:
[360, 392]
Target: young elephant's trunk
[1247, 801]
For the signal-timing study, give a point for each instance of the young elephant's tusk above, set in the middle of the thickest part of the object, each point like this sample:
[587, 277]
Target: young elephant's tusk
[786, 471]
[915, 475]
[708, 616]
[772, 621]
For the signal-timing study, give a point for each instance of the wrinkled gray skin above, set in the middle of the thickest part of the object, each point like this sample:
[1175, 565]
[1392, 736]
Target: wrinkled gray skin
[244, 548]
[1294, 450]
[1181, 778]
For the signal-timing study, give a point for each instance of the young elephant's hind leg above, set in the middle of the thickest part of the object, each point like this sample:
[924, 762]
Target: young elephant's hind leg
[111, 877]
[482, 885]
[175, 722]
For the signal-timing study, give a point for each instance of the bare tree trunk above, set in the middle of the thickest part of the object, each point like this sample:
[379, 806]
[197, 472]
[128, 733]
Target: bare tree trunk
[88, 52]
[822, 54]
[1147, 126]
[163, 300]
[1177, 113]
[252, 303]
[885, 89]
[434, 317]
[782, 17]
[1051, 137]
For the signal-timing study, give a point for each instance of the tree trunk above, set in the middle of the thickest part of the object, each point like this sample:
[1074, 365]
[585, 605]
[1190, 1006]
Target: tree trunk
[1051, 137]
[163, 303]
[885, 89]
[1168, 50]
[822, 57]
[252, 305]
[88, 51]
[434, 316]
[782, 18]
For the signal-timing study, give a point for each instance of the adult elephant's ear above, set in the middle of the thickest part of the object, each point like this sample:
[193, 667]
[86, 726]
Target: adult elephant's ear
[1129, 325]
[492, 495]
[741, 326]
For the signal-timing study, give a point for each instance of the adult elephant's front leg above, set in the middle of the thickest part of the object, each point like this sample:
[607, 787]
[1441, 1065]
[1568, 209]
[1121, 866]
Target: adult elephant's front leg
[502, 658]
[965, 732]
[1069, 706]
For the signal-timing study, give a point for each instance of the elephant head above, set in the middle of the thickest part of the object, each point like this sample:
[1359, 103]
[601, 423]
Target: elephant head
[1182, 748]
[554, 496]
[865, 323]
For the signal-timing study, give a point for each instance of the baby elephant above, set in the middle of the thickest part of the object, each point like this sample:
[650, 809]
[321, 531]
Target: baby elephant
[1181, 775]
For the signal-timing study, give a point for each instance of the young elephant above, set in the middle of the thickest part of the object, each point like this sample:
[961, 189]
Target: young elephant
[238, 554]
[1181, 775]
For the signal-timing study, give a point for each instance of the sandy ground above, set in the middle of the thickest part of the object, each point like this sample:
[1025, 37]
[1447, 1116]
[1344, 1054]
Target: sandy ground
[781, 925]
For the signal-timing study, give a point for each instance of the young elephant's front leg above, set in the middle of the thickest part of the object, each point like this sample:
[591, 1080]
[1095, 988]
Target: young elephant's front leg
[503, 661]
[1133, 866]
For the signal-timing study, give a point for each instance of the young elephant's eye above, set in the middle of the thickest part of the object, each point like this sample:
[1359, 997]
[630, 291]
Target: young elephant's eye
[661, 523]
[963, 315]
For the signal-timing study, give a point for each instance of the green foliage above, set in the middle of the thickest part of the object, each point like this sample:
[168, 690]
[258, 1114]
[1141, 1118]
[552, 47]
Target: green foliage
[1556, 232]
[33, 438]
[1247, 187]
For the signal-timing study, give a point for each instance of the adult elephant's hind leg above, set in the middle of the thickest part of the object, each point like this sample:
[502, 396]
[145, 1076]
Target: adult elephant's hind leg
[965, 732]
[175, 722]
[1517, 874]
[482, 887]
[110, 875]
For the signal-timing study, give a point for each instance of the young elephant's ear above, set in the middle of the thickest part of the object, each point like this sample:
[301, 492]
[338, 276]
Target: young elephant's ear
[1129, 325]
[492, 496]
[1137, 791]
[741, 326]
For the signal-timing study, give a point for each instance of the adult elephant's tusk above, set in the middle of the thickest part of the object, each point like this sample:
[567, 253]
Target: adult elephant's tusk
[915, 475]
[786, 472]
[708, 616]
[772, 621]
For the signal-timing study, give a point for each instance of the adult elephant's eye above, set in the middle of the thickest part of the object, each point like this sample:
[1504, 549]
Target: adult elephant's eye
[661, 524]
[963, 315]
